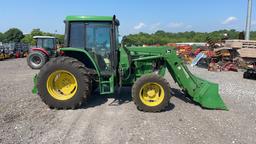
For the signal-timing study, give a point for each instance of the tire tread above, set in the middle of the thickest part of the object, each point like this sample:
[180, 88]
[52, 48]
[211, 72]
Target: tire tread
[80, 68]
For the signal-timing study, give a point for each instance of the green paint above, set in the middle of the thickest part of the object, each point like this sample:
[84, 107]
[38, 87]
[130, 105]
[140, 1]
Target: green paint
[162, 71]
[34, 90]
[147, 58]
[89, 18]
[103, 84]
[107, 87]
[86, 54]
[203, 92]
[138, 61]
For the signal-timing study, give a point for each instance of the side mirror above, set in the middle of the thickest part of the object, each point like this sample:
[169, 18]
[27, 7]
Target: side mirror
[120, 40]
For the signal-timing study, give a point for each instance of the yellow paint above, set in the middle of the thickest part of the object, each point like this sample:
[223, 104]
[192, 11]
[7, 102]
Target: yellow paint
[152, 94]
[62, 85]
[1, 56]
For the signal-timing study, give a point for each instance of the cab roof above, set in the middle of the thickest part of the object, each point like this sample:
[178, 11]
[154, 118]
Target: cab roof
[89, 18]
[43, 37]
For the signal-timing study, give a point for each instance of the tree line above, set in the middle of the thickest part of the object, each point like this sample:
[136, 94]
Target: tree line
[159, 37]
[16, 35]
[162, 37]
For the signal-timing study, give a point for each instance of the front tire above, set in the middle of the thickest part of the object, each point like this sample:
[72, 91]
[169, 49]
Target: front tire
[63, 83]
[36, 59]
[151, 93]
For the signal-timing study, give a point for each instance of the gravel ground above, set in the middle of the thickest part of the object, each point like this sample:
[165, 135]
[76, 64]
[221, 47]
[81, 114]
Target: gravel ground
[24, 118]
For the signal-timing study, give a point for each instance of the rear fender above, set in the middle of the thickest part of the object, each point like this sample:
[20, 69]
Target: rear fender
[41, 50]
[82, 56]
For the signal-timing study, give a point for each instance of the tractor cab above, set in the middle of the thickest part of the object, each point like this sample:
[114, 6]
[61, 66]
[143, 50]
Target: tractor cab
[47, 43]
[97, 35]
[44, 50]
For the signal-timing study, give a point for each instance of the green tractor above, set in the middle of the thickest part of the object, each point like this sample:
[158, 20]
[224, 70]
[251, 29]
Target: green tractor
[93, 58]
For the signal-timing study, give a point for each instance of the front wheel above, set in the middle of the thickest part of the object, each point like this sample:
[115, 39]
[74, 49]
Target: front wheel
[36, 59]
[64, 83]
[151, 93]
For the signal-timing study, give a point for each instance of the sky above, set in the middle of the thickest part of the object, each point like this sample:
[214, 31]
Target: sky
[134, 15]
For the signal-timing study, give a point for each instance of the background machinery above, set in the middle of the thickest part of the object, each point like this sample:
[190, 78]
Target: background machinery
[45, 49]
[2, 53]
[93, 58]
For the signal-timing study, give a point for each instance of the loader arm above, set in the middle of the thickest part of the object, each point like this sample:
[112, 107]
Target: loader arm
[203, 92]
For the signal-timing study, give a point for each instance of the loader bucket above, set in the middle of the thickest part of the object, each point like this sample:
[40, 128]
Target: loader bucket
[208, 96]
[201, 91]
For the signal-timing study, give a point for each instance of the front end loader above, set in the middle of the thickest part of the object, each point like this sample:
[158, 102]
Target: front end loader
[92, 58]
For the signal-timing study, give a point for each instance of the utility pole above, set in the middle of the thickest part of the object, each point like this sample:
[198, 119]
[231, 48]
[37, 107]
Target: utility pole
[248, 20]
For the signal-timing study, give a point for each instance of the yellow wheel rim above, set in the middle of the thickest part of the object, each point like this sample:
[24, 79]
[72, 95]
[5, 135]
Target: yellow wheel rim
[152, 94]
[62, 85]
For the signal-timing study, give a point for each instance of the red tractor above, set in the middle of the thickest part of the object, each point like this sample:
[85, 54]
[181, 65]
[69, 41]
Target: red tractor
[45, 49]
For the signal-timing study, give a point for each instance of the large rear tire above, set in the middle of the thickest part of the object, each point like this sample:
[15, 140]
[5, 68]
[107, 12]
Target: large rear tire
[36, 59]
[64, 83]
[151, 93]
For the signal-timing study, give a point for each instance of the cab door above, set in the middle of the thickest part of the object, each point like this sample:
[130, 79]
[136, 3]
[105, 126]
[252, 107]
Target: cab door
[98, 42]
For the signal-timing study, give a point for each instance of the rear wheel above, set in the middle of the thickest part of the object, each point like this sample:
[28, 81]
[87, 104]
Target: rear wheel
[151, 93]
[36, 59]
[64, 83]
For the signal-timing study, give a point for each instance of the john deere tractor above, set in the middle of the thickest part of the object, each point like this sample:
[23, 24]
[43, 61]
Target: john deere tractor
[45, 49]
[93, 58]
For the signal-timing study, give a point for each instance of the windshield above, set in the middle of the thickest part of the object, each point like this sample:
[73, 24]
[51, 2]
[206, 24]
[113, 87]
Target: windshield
[45, 43]
[90, 35]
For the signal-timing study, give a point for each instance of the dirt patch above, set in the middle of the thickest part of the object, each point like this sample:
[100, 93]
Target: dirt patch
[24, 118]
[8, 118]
